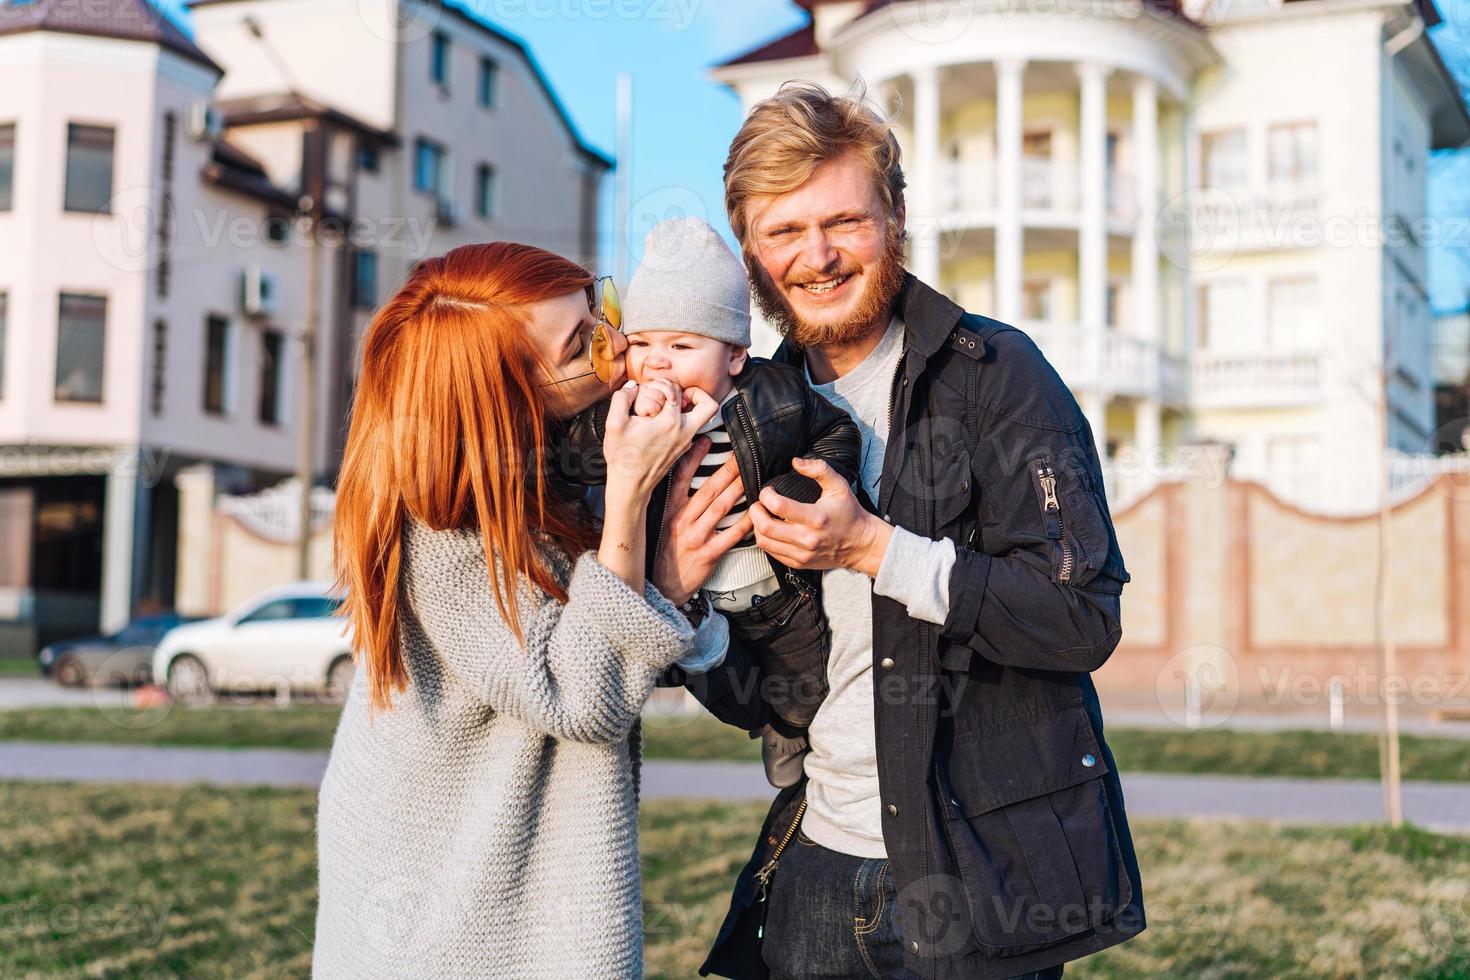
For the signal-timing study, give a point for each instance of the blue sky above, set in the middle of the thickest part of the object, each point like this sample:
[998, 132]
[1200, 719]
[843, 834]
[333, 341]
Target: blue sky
[683, 121]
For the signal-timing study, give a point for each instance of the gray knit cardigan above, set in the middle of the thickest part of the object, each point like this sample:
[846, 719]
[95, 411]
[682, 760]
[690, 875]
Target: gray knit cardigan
[487, 825]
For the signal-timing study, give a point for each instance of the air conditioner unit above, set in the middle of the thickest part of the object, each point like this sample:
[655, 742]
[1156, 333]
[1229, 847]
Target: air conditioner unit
[447, 212]
[258, 292]
[204, 122]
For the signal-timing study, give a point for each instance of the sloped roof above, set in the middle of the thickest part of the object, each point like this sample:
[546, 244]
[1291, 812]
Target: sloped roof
[469, 16]
[126, 20]
[802, 42]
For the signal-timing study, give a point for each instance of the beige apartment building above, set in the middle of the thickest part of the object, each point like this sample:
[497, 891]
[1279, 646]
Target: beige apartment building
[156, 198]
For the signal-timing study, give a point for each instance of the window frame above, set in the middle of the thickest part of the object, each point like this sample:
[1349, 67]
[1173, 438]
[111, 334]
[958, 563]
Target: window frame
[7, 174]
[441, 158]
[68, 205]
[487, 83]
[272, 370]
[56, 395]
[487, 191]
[211, 320]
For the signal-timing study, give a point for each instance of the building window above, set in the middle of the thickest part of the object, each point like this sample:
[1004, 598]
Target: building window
[369, 159]
[4, 324]
[485, 191]
[272, 344]
[277, 229]
[1223, 160]
[7, 164]
[80, 338]
[1221, 315]
[216, 365]
[439, 60]
[428, 167]
[1292, 320]
[488, 72]
[88, 168]
[1292, 154]
[365, 280]
[1036, 299]
[160, 351]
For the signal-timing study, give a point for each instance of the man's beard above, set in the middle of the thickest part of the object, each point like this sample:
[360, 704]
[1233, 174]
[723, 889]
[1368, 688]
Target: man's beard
[884, 280]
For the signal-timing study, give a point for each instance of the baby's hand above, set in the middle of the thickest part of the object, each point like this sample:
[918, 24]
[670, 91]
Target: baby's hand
[650, 400]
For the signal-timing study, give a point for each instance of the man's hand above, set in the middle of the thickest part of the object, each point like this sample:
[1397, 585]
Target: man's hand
[834, 532]
[691, 544]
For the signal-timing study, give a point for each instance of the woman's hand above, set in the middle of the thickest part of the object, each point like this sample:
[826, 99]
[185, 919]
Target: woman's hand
[691, 544]
[639, 451]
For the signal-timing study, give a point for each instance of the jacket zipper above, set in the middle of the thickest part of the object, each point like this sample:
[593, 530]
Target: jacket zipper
[764, 874]
[1053, 508]
[755, 457]
[663, 517]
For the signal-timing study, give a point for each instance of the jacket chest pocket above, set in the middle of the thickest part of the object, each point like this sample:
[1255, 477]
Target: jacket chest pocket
[1028, 821]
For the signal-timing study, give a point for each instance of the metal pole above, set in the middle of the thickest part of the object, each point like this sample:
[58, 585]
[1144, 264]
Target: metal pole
[623, 186]
[305, 451]
[1388, 736]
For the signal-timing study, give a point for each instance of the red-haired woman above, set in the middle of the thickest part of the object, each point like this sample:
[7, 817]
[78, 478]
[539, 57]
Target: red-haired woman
[478, 814]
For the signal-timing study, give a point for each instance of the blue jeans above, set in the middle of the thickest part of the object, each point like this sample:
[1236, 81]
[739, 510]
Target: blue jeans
[832, 915]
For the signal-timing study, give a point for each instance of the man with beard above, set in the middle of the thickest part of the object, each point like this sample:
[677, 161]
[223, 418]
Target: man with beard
[960, 814]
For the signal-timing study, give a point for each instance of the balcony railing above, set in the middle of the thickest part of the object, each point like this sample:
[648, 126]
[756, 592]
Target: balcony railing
[967, 185]
[1046, 185]
[1107, 359]
[1272, 216]
[1256, 380]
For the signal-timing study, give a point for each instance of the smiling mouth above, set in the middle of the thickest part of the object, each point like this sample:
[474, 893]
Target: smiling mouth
[823, 286]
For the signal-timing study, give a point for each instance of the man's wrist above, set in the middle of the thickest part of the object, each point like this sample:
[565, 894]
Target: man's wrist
[870, 557]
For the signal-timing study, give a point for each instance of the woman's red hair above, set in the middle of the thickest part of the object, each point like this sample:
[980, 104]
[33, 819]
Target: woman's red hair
[448, 425]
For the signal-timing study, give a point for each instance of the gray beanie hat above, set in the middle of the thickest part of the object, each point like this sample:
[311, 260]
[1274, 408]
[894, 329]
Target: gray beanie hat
[691, 282]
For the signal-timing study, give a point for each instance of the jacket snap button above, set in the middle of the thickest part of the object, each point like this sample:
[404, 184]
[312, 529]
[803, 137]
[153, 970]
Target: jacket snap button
[913, 945]
[1089, 760]
[886, 663]
[893, 809]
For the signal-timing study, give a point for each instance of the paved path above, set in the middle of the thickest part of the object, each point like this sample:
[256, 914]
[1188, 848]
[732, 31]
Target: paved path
[41, 692]
[1437, 806]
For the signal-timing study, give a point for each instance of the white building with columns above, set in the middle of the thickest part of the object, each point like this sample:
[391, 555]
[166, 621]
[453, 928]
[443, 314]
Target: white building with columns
[1194, 210]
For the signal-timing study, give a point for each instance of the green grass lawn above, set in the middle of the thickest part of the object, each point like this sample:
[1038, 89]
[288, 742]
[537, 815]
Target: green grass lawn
[19, 667]
[162, 881]
[304, 726]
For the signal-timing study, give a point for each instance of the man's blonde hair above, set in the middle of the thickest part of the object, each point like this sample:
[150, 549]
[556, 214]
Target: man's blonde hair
[786, 137]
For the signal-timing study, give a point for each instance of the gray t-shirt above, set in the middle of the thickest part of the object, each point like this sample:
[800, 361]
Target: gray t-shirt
[844, 812]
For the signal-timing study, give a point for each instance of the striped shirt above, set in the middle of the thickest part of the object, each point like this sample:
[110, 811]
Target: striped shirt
[720, 450]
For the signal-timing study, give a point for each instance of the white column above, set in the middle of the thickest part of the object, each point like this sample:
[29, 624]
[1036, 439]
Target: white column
[119, 539]
[923, 217]
[1008, 76]
[1092, 239]
[1146, 189]
[1147, 426]
[1095, 406]
[1179, 270]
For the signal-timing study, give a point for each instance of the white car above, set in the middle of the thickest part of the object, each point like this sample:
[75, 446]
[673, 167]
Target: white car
[284, 638]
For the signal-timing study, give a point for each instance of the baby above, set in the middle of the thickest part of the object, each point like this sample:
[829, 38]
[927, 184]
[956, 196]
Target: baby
[687, 320]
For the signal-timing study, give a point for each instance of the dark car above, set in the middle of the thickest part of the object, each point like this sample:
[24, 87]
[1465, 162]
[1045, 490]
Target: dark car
[124, 657]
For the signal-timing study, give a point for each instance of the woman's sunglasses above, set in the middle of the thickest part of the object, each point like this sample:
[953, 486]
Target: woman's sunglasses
[602, 350]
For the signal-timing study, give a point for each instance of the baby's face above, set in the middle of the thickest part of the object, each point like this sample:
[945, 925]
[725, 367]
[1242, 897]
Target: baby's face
[687, 359]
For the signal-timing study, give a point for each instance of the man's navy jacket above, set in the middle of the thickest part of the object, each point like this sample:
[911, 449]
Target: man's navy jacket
[1002, 810]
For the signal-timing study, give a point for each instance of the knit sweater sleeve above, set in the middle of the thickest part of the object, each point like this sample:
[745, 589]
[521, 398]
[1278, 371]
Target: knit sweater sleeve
[587, 665]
